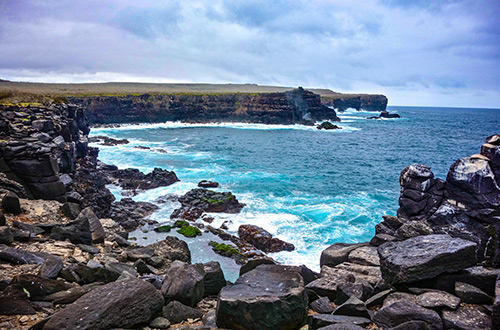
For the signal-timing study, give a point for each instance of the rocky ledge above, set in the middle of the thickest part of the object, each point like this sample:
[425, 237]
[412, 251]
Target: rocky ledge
[342, 102]
[297, 106]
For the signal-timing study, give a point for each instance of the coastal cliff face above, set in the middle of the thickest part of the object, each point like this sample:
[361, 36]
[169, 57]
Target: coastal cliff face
[37, 145]
[359, 102]
[297, 106]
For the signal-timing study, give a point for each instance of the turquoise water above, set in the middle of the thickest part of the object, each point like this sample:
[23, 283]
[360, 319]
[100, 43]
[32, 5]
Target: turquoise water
[308, 187]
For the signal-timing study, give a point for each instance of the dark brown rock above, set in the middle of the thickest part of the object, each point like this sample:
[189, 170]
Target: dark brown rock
[337, 253]
[472, 295]
[10, 203]
[121, 304]
[268, 297]
[183, 282]
[177, 312]
[262, 239]
[467, 318]
[425, 257]
[404, 311]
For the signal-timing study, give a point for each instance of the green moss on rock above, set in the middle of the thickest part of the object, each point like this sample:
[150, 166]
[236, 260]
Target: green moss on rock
[189, 231]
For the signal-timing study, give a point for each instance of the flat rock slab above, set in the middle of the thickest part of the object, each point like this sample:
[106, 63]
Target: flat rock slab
[365, 255]
[467, 318]
[317, 321]
[405, 311]
[268, 297]
[18, 256]
[424, 257]
[121, 304]
[435, 299]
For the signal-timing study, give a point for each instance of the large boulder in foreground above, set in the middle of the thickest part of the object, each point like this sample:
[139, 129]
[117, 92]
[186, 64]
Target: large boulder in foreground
[121, 304]
[424, 257]
[268, 297]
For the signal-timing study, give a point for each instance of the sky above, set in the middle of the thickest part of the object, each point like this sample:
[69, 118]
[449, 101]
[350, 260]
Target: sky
[427, 53]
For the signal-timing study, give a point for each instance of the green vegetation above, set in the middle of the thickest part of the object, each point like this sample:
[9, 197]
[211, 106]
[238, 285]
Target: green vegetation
[224, 249]
[189, 231]
[180, 224]
[163, 229]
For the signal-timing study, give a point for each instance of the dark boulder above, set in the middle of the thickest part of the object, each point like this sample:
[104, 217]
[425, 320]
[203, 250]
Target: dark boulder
[327, 126]
[10, 203]
[177, 312]
[437, 299]
[3, 221]
[71, 210]
[337, 253]
[131, 214]
[262, 239]
[183, 282]
[132, 179]
[77, 231]
[121, 304]
[322, 306]
[404, 311]
[268, 297]
[364, 255]
[72, 294]
[171, 249]
[253, 263]
[208, 184]
[214, 279]
[19, 256]
[51, 267]
[6, 236]
[208, 201]
[425, 257]
[14, 301]
[472, 295]
[471, 182]
[39, 287]
[467, 318]
[96, 229]
[352, 307]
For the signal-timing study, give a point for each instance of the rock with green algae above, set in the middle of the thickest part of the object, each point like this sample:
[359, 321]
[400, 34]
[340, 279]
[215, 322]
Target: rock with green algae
[189, 231]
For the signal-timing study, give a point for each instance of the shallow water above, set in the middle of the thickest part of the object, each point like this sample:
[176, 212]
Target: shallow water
[308, 187]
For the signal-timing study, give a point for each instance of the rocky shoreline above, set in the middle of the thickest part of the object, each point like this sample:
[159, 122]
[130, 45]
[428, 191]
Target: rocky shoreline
[66, 261]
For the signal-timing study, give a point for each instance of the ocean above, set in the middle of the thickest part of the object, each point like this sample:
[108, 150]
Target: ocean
[308, 187]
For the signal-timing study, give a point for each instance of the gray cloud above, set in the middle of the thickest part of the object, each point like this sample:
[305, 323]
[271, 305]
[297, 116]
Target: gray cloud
[405, 49]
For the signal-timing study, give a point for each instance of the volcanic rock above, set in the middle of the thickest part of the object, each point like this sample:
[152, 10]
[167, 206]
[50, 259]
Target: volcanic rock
[404, 311]
[425, 257]
[183, 282]
[268, 297]
[121, 304]
[262, 239]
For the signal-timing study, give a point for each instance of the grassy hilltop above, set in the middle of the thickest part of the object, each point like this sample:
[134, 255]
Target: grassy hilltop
[16, 92]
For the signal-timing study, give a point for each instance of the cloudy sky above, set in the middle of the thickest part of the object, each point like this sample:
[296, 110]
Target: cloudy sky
[441, 53]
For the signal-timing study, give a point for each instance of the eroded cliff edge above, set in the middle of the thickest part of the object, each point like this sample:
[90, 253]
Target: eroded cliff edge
[297, 106]
[368, 102]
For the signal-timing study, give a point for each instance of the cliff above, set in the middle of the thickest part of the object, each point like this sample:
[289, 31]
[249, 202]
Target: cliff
[37, 145]
[342, 102]
[290, 107]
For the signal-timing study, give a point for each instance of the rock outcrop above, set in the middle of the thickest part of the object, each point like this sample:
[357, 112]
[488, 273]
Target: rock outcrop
[466, 205]
[296, 106]
[40, 143]
[342, 102]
